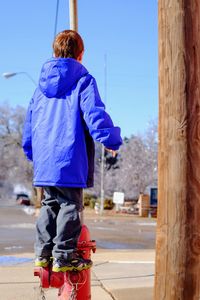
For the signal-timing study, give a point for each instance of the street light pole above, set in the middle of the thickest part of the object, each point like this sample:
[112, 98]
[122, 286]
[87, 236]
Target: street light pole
[102, 146]
[102, 180]
[8, 75]
[73, 15]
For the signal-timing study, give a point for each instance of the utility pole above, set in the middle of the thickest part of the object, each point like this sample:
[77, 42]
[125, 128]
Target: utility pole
[178, 230]
[73, 15]
[56, 18]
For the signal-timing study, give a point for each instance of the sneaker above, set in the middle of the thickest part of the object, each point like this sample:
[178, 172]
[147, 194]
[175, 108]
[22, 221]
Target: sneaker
[75, 264]
[42, 262]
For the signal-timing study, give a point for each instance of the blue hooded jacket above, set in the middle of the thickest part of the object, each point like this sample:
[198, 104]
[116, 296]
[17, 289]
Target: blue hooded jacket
[63, 117]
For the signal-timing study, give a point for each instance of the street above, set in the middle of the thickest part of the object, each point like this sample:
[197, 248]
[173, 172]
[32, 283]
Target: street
[111, 231]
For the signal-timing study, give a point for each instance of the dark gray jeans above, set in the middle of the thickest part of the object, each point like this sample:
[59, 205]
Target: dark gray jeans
[58, 226]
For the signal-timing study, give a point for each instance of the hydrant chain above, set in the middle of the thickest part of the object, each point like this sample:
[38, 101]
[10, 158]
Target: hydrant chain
[42, 294]
[73, 294]
[80, 281]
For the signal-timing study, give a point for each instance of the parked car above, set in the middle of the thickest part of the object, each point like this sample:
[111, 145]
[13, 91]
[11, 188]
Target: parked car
[23, 199]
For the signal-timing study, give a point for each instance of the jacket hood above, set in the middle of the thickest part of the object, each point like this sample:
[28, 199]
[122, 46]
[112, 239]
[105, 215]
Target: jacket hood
[58, 75]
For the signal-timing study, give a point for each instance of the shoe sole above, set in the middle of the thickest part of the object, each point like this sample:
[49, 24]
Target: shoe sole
[41, 265]
[69, 269]
[82, 268]
[62, 269]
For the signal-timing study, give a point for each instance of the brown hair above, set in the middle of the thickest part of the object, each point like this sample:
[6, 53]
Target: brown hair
[68, 43]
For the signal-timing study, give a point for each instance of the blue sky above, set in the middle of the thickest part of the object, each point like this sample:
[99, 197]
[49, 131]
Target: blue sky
[126, 31]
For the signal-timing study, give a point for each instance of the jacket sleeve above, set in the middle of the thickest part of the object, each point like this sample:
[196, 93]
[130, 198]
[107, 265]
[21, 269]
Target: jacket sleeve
[27, 133]
[97, 119]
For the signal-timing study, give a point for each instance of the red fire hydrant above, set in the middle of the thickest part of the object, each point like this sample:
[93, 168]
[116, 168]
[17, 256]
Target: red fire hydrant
[74, 285]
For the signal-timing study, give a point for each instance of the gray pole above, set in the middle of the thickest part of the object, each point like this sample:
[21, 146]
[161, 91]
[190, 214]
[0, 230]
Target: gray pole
[102, 179]
[73, 13]
[102, 149]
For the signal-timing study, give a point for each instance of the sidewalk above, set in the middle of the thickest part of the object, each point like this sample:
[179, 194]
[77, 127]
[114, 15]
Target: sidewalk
[116, 274]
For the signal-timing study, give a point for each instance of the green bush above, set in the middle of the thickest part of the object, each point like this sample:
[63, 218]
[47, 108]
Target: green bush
[89, 200]
[108, 204]
[92, 203]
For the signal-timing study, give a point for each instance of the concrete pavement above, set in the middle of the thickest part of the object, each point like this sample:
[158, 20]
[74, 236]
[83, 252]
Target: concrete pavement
[116, 274]
[126, 275]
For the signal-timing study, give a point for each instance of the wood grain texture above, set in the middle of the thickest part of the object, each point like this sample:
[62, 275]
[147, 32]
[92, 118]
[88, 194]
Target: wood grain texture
[192, 42]
[178, 231]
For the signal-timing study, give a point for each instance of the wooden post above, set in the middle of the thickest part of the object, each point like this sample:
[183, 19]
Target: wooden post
[178, 232]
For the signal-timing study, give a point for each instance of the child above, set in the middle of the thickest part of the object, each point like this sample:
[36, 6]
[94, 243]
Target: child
[64, 116]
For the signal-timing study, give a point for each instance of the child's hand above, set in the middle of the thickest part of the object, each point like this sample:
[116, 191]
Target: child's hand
[114, 153]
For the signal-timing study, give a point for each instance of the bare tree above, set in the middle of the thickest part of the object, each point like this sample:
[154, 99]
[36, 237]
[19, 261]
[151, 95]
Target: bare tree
[14, 166]
[136, 167]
